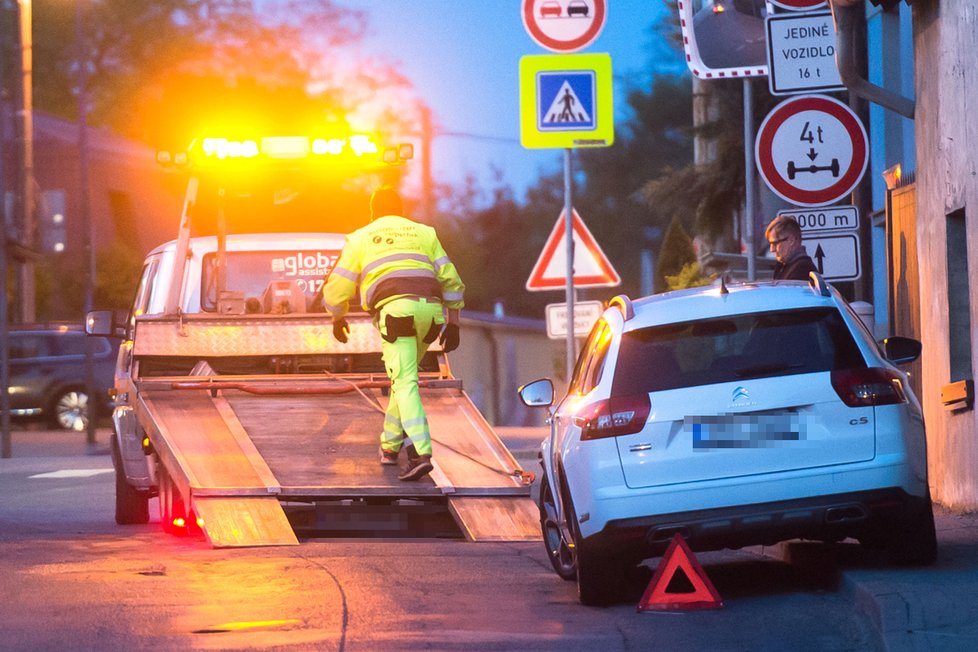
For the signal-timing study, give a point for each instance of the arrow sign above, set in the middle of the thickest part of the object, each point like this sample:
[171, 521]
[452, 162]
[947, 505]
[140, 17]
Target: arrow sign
[836, 256]
[591, 267]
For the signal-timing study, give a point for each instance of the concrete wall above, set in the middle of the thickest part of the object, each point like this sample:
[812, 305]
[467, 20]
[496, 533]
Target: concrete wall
[496, 356]
[945, 43]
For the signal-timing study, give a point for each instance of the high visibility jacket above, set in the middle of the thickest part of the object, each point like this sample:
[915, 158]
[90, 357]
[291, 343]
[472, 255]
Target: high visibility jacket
[390, 257]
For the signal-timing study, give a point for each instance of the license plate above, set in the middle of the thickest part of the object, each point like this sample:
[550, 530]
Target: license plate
[744, 430]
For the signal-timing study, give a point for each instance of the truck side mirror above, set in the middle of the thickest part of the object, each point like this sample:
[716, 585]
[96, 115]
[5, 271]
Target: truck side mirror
[105, 323]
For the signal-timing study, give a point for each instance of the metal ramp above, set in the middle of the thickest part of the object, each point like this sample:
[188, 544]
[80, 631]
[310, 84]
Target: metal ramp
[261, 451]
[216, 470]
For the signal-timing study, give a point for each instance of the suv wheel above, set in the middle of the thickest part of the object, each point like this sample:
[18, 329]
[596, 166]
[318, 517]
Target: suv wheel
[914, 542]
[69, 410]
[560, 555]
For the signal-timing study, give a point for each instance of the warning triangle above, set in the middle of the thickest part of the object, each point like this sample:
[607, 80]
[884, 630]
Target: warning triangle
[591, 267]
[678, 555]
[566, 107]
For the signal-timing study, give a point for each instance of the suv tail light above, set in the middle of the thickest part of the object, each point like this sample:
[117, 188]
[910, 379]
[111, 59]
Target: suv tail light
[867, 387]
[621, 415]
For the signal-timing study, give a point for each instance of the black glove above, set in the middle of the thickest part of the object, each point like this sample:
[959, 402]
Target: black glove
[449, 338]
[340, 330]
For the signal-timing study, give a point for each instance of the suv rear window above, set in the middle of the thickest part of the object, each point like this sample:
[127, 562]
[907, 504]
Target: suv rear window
[740, 347]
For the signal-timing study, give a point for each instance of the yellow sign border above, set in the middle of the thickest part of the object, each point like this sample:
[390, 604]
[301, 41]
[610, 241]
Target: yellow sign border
[603, 134]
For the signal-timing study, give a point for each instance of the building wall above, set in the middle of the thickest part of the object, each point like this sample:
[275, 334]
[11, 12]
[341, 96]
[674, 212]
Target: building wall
[496, 356]
[945, 42]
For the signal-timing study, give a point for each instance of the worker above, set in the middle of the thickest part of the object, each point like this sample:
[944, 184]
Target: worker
[784, 238]
[412, 289]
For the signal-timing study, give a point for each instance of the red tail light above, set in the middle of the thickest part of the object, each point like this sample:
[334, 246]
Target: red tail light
[621, 415]
[866, 387]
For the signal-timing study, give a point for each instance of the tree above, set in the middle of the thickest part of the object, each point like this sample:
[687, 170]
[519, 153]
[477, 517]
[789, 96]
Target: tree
[677, 254]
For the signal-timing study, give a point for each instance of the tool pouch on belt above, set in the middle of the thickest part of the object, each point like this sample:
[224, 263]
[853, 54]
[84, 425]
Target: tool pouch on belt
[432, 334]
[398, 327]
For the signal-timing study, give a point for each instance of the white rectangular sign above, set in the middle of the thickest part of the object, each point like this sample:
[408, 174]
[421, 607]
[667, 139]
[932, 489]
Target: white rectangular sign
[585, 314]
[836, 255]
[801, 53]
[828, 218]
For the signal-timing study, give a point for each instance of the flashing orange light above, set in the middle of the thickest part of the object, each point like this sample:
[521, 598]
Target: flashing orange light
[200, 522]
[179, 522]
[718, 8]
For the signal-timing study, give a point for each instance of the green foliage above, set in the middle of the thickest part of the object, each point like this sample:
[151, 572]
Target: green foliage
[61, 282]
[688, 277]
[676, 254]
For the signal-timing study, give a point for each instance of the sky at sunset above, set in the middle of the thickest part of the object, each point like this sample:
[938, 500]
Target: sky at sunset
[463, 56]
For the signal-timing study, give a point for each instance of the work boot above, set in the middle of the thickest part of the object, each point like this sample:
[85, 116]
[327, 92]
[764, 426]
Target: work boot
[388, 458]
[417, 468]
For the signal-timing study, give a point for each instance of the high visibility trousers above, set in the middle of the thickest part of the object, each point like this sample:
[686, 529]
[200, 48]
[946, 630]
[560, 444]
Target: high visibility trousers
[405, 413]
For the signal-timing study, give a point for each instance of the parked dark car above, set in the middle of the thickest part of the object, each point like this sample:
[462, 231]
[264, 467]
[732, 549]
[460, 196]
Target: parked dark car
[47, 374]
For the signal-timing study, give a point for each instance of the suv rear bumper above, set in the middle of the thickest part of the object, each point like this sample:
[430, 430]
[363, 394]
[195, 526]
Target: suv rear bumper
[827, 518]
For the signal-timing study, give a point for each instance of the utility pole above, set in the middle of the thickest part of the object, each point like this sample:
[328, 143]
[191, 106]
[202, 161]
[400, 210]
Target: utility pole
[25, 120]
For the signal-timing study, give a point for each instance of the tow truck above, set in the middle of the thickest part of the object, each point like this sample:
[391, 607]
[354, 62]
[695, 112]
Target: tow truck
[235, 406]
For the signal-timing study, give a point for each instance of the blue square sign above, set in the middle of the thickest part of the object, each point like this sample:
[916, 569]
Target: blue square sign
[566, 100]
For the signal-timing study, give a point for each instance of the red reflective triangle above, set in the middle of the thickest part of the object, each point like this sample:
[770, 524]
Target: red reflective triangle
[591, 267]
[678, 555]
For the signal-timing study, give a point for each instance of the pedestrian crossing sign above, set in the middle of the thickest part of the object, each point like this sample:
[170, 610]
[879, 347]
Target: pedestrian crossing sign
[566, 101]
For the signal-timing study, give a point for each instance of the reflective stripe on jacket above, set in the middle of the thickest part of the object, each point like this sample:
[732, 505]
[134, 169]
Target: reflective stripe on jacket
[392, 255]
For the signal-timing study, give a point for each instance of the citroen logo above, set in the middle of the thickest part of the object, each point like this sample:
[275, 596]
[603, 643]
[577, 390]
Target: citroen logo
[740, 393]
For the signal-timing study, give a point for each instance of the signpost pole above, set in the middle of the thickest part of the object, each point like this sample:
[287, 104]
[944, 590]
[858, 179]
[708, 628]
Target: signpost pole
[569, 240]
[749, 177]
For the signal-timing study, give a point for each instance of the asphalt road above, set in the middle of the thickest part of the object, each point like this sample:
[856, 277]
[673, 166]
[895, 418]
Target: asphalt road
[73, 579]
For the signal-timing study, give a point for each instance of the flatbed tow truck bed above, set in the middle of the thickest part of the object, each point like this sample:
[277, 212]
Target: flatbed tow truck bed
[238, 455]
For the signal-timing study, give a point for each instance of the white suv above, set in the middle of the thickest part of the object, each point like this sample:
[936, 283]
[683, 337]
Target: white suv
[734, 416]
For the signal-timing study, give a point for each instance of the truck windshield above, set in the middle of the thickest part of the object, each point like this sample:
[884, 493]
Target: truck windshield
[269, 278]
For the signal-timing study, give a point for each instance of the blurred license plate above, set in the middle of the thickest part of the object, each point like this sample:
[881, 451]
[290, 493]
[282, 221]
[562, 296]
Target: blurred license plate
[744, 430]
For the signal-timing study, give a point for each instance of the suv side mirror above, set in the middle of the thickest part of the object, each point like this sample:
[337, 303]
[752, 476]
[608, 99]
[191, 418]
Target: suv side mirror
[539, 393]
[901, 350]
[105, 324]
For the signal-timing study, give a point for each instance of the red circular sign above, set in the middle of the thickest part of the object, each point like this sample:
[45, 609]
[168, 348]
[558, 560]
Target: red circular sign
[564, 25]
[798, 5]
[811, 150]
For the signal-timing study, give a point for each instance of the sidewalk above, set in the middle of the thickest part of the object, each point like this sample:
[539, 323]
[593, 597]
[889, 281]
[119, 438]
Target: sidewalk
[932, 608]
[27, 441]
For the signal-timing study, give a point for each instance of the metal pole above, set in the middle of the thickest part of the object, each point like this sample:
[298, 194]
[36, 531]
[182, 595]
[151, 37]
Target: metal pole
[5, 443]
[569, 240]
[25, 117]
[86, 217]
[749, 177]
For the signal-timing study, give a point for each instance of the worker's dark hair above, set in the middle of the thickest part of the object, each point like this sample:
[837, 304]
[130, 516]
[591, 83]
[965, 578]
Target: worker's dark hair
[385, 201]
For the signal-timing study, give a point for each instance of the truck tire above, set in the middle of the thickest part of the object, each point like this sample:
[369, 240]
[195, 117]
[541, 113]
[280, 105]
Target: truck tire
[131, 504]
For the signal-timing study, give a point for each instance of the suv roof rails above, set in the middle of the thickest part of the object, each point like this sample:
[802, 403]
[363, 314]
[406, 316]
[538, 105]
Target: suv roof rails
[624, 304]
[818, 284]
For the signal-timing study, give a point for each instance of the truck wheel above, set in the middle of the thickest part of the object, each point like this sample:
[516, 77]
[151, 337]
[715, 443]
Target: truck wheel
[131, 504]
[560, 555]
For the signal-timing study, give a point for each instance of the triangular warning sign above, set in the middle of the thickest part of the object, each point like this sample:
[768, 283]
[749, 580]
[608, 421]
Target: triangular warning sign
[591, 267]
[566, 107]
[678, 555]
